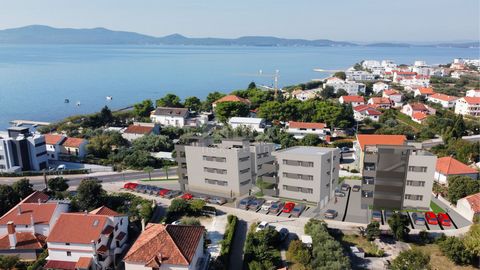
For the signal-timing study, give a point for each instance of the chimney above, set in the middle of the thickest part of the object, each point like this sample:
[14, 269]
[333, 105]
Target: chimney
[32, 222]
[39, 201]
[12, 237]
[143, 224]
[19, 209]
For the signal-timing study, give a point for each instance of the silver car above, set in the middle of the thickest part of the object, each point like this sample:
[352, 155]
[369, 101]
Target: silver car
[330, 214]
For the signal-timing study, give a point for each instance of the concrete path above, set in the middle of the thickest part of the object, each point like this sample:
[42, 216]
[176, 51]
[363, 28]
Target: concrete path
[236, 255]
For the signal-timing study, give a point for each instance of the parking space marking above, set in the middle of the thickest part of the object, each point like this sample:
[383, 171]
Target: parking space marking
[451, 220]
[410, 219]
[346, 205]
[279, 213]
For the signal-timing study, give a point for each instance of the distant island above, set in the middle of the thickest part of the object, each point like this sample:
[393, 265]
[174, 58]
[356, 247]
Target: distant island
[40, 34]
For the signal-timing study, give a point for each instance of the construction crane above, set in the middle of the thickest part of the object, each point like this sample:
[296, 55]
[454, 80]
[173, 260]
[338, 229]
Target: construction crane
[274, 76]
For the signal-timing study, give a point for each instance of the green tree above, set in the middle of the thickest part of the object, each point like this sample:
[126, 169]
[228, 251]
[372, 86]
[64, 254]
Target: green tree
[145, 210]
[102, 145]
[169, 100]
[310, 140]
[90, 194]
[373, 230]
[460, 186]
[192, 103]
[197, 205]
[165, 168]
[412, 259]
[328, 92]
[399, 225]
[8, 198]
[252, 85]
[190, 221]
[472, 240]
[298, 253]
[340, 75]
[455, 250]
[149, 170]
[341, 92]
[211, 97]
[23, 188]
[8, 262]
[57, 184]
[179, 205]
[153, 143]
[106, 116]
[226, 110]
[143, 109]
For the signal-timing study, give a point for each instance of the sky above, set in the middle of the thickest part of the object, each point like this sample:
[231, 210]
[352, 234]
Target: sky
[348, 20]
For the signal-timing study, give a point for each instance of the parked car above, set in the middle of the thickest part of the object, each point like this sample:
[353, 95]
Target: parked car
[163, 192]
[255, 204]
[149, 189]
[245, 203]
[276, 207]
[283, 234]
[177, 222]
[261, 226]
[298, 209]
[344, 150]
[202, 197]
[444, 219]
[172, 194]
[155, 190]
[417, 219]
[339, 193]
[130, 186]
[377, 216]
[288, 207]
[345, 187]
[330, 214]
[217, 200]
[431, 218]
[187, 196]
[356, 188]
[266, 205]
[140, 188]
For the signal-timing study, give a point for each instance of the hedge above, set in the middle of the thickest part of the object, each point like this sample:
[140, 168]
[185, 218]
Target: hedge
[224, 257]
[343, 143]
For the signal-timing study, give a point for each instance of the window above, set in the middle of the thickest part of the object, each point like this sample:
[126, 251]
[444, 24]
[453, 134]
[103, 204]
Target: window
[417, 169]
[243, 159]
[69, 253]
[245, 171]
[214, 170]
[67, 244]
[1, 157]
[245, 182]
[121, 221]
[413, 197]
[298, 176]
[216, 182]
[116, 227]
[298, 163]
[415, 183]
[2, 166]
[298, 189]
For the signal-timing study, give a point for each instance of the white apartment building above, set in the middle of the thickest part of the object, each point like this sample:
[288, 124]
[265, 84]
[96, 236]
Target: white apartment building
[379, 87]
[87, 240]
[359, 75]
[468, 106]
[473, 93]
[257, 124]
[300, 129]
[351, 87]
[444, 100]
[167, 116]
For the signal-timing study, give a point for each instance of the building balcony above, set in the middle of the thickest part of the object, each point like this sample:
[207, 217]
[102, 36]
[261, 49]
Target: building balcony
[367, 194]
[368, 181]
[270, 179]
[271, 167]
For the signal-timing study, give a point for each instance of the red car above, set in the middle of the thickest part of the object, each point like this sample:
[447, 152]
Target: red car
[163, 192]
[288, 207]
[187, 196]
[444, 219]
[130, 185]
[431, 218]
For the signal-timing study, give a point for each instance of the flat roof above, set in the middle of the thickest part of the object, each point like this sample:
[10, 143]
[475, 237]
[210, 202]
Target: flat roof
[307, 150]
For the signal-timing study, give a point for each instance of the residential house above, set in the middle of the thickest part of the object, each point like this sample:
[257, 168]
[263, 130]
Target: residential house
[300, 129]
[468, 106]
[363, 112]
[419, 117]
[24, 228]
[352, 100]
[54, 145]
[444, 100]
[423, 91]
[231, 98]
[257, 124]
[473, 93]
[169, 247]
[413, 108]
[138, 130]
[91, 240]
[448, 166]
[378, 87]
[303, 95]
[380, 102]
[402, 74]
[168, 116]
[359, 75]
[457, 73]
[60, 146]
[469, 207]
[420, 80]
[394, 96]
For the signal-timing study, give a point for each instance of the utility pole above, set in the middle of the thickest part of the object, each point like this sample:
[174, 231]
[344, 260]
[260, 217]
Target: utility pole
[275, 83]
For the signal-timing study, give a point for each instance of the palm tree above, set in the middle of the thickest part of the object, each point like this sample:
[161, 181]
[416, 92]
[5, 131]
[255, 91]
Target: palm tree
[148, 170]
[166, 168]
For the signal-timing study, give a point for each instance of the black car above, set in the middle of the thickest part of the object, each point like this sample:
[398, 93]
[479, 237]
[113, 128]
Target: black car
[330, 214]
[345, 187]
[356, 188]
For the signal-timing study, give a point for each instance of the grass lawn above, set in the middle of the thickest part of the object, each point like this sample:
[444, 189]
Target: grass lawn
[437, 260]
[159, 179]
[408, 121]
[435, 208]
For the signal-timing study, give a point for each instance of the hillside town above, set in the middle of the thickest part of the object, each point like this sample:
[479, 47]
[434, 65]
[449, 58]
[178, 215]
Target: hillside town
[374, 167]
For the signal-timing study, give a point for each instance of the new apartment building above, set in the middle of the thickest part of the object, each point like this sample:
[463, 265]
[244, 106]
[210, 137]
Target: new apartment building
[21, 150]
[306, 173]
[397, 177]
[228, 169]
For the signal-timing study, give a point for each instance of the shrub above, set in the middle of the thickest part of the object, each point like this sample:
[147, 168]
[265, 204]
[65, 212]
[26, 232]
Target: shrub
[373, 230]
[190, 221]
[224, 257]
[411, 260]
[343, 143]
[455, 250]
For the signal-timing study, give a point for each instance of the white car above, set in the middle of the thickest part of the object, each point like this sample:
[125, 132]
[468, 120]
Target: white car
[263, 225]
[266, 206]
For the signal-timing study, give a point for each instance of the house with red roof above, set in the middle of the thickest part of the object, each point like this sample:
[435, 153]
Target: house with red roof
[394, 95]
[168, 247]
[445, 100]
[139, 129]
[412, 108]
[362, 112]
[60, 146]
[448, 166]
[25, 227]
[469, 207]
[423, 91]
[91, 240]
[231, 98]
[300, 129]
[380, 102]
[352, 100]
[468, 106]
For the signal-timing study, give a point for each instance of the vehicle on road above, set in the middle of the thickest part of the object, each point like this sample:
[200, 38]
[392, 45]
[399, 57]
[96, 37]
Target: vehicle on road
[288, 207]
[172, 194]
[345, 187]
[261, 226]
[276, 207]
[187, 196]
[356, 188]
[283, 234]
[377, 216]
[131, 186]
[330, 214]
[163, 192]
[245, 203]
[431, 218]
[417, 219]
[256, 203]
[444, 219]
[266, 205]
[177, 222]
[339, 193]
[298, 210]
[217, 200]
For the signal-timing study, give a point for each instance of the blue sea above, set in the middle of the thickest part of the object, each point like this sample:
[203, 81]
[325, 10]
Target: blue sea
[36, 79]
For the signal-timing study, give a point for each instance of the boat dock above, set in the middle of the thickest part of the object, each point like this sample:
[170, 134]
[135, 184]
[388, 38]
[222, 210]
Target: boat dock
[29, 122]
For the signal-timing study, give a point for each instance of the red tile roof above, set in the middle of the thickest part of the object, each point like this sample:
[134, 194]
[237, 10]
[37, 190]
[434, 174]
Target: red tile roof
[404, 72]
[232, 98]
[60, 265]
[350, 99]
[367, 108]
[22, 213]
[380, 100]
[474, 201]
[418, 107]
[78, 228]
[137, 129]
[443, 97]
[373, 139]
[53, 139]
[25, 240]
[35, 197]
[103, 210]
[83, 262]
[449, 166]
[419, 116]
[426, 91]
[169, 244]
[472, 100]
[293, 124]
[390, 92]
[73, 142]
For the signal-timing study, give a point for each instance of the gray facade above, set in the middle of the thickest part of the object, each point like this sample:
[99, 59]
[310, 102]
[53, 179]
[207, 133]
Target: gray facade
[307, 173]
[228, 169]
[397, 177]
[21, 150]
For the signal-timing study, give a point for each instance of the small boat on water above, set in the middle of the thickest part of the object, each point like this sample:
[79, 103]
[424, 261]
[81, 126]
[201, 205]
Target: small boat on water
[108, 97]
[78, 103]
[66, 100]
